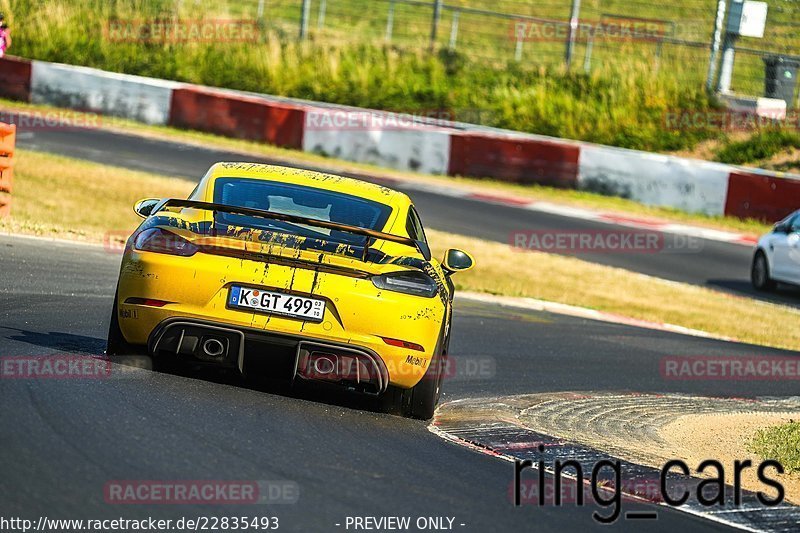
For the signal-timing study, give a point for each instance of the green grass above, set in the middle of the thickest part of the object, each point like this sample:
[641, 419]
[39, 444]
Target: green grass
[762, 145]
[781, 443]
[621, 102]
[622, 99]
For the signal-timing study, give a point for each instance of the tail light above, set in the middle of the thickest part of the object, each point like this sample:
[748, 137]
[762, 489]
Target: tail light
[403, 344]
[149, 302]
[417, 283]
[163, 242]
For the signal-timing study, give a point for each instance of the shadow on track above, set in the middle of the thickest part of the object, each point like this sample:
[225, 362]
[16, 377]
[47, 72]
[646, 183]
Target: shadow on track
[784, 294]
[275, 385]
[55, 340]
[267, 380]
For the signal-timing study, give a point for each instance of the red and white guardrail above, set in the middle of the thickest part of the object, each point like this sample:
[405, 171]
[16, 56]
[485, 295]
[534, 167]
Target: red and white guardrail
[436, 147]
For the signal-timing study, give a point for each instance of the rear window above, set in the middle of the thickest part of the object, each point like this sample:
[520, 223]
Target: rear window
[301, 201]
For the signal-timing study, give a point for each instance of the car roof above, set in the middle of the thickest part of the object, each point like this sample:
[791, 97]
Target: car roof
[309, 178]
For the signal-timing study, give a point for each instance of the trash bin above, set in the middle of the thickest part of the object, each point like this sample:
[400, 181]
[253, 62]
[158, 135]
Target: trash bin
[780, 78]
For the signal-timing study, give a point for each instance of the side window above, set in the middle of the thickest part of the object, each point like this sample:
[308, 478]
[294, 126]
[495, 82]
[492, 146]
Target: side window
[791, 223]
[794, 224]
[414, 226]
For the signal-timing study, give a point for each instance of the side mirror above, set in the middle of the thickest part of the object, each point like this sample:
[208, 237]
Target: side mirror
[457, 261]
[143, 208]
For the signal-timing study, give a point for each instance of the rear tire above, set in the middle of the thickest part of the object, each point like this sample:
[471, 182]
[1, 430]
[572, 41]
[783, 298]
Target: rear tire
[759, 273]
[425, 394]
[121, 352]
[115, 341]
[419, 401]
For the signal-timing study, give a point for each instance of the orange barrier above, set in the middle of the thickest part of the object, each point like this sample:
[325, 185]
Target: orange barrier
[8, 135]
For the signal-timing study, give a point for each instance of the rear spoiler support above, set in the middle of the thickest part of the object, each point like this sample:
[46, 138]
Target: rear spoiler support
[420, 246]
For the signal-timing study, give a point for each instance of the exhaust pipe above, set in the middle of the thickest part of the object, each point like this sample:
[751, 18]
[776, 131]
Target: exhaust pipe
[324, 365]
[350, 368]
[213, 348]
[203, 342]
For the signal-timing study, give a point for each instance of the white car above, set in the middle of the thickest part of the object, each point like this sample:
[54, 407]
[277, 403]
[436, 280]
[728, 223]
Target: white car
[777, 255]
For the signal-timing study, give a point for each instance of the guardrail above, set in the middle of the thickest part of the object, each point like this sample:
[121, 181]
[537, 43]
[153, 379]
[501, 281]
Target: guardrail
[8, 137]
[392, 140]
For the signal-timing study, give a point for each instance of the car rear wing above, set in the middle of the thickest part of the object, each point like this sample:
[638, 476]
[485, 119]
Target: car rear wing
[420, 246]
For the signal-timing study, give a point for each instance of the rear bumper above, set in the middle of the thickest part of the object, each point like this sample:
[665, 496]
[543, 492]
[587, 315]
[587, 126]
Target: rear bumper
[358, 314]
[356, 368]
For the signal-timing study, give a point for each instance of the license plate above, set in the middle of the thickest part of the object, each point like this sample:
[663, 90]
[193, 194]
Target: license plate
[277, 303]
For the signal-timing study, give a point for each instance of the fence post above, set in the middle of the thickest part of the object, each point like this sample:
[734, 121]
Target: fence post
[323, 6]
[305, 14]
[7, 142]
[437, 15]
[728, 59]
[715, 44]
[390, 22]
[518, 47]
[587, 60]
[260, 11]
[659, 50]
[454, 29]
[573, 28]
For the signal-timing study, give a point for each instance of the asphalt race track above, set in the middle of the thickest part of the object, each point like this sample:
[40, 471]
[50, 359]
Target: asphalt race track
[718, 265]
[63, 440]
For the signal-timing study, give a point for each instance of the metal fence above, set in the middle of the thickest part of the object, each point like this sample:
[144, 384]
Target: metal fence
[588, 34]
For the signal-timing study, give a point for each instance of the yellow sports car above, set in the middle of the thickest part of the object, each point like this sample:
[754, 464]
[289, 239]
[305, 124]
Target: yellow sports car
[310, 276]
